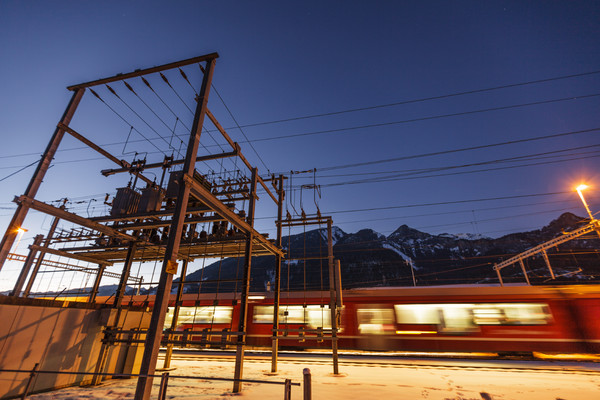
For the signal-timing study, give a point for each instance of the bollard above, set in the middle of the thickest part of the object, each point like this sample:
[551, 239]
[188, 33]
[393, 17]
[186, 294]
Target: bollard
[287, 394]
[162, 391]
[307, 384]
[32, 375]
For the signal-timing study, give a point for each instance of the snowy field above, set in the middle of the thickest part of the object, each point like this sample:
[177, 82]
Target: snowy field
[370, 379]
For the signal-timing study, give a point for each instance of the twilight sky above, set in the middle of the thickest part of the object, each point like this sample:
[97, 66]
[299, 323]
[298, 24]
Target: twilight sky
[363, 65]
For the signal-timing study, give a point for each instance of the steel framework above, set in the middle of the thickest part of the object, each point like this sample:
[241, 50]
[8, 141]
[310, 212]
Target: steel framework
[157, 231]
[594, 225]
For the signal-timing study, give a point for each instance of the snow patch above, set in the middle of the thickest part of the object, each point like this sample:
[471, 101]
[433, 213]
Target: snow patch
[336, 234]
[392, 246]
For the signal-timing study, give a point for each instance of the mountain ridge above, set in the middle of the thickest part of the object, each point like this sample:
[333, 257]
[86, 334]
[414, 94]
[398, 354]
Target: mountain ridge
[369, 258]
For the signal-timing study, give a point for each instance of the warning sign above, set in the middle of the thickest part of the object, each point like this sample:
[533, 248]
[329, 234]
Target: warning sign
[172, 267]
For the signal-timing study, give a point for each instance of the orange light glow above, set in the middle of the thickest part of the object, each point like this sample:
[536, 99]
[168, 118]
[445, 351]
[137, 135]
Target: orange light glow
[20, 232]
[581, 187]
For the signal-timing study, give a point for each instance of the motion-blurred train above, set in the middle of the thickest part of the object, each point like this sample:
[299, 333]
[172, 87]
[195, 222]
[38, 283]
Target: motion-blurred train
[510, 319]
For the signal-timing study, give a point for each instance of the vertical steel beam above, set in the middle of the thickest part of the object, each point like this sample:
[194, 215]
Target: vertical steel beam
[275, 344]
[94, 292]
[125, 275]
[148, 367]
[239, 355]
[412, 270]
[169, 352]
[332, 298]
[499, 276]
[547, 260]
[338, 284]
[40, 258]
[524, 271]
[27, 266]
[38, 176]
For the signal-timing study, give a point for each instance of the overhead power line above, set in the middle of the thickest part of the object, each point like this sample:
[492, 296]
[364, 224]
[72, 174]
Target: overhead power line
[410, 174]
[16, 172]
[439, 97]
[437, 153]
[427, 118]
[445, 203]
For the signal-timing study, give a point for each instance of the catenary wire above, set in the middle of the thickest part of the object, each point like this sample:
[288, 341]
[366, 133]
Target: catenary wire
[444, 96]
[426, 118]
[125, 120]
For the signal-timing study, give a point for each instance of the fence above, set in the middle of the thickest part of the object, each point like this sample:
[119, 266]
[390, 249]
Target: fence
[287, 384]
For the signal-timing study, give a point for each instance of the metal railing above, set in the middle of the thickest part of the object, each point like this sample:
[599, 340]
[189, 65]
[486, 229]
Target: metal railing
[287, 383]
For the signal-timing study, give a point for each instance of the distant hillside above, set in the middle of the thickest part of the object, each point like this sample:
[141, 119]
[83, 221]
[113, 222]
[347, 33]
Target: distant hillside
[372, 259]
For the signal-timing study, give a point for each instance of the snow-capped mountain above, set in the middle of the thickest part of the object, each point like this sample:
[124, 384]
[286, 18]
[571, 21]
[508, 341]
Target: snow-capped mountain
[369, 258]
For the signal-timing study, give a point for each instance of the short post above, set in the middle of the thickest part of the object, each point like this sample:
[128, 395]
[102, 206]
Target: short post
[307, 384]
[164, 381]
[32, 375]
[287, 394]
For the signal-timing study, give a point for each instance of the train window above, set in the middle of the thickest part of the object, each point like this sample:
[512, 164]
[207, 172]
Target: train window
[375, 321]
[512, 314]
[465, 317]
[418, 313]
[318, 316]
[457, 318]
[200, 315]
[312, 315]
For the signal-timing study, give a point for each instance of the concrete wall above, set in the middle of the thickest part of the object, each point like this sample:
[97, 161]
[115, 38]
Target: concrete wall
[60, 336]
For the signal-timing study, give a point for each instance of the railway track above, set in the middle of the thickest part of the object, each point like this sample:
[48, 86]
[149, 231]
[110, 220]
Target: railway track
[400, 361]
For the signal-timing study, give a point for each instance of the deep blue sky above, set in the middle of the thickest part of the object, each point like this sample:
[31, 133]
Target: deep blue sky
[282, 60]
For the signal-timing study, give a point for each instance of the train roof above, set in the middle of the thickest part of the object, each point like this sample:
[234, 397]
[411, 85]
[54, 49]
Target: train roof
[445, 291]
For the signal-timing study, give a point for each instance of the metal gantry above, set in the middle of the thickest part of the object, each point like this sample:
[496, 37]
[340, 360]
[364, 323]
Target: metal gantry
[335, 290]
[593, 226]
[160, 223]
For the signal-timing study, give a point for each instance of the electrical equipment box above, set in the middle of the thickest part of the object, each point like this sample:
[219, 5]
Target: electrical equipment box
[176, 178]
[151, 199]
[126, 202]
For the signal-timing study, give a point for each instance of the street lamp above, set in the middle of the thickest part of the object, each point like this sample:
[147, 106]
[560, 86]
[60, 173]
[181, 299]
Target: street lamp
[579, 189]
[20, 232]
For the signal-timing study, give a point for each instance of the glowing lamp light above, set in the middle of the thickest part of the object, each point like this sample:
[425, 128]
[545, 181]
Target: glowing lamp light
[20, 232]
[579, 188]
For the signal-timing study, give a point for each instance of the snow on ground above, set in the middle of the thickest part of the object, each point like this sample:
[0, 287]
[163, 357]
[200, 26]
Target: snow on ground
[447, 380]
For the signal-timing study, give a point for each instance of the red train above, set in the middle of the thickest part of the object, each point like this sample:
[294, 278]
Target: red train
[444, 318]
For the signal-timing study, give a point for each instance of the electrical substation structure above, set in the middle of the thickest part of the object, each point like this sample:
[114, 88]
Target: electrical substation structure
[190, 214]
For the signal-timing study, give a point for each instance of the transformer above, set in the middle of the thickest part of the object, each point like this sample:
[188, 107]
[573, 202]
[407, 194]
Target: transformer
[126, 202]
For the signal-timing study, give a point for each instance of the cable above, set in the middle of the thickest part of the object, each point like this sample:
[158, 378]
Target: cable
[149, 108]
[401, 178]
[432, 117]
[421, 99]
[445, 213]
[16, 172]
[208, 132]
[124, 120]
[411, 157]
[468, 172]
[139, 116]
[446, 202]
[528, 157]
[242, 131]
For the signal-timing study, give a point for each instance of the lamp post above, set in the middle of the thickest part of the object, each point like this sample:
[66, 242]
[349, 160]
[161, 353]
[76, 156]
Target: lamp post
[579, 189]
[594, 222]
